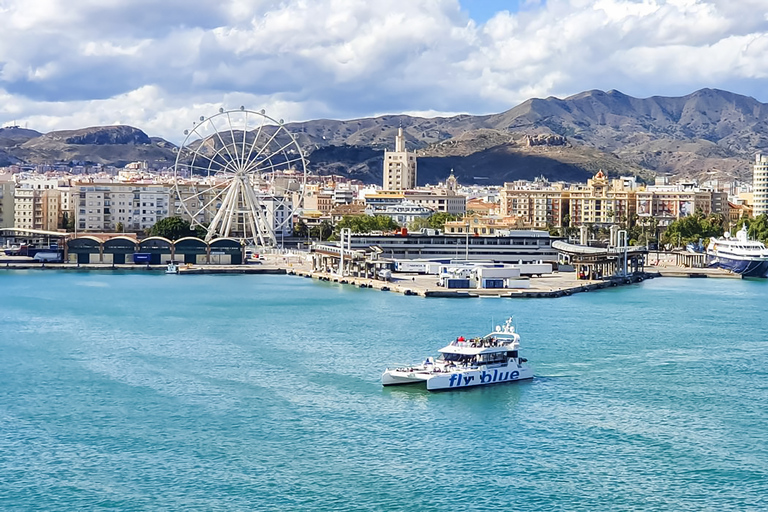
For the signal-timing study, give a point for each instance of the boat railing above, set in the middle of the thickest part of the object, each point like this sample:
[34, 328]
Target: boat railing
[483, 342]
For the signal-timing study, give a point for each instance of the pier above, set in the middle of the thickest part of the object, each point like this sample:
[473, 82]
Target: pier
[558, 284]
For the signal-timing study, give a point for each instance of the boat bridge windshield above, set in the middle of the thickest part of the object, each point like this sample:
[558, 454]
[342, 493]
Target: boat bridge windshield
[466, 359]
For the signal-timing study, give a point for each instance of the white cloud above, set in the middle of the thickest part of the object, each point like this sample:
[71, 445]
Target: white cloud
[158, 66]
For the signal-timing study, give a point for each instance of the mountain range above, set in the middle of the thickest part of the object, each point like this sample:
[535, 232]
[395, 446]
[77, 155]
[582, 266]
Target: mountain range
[709, 133]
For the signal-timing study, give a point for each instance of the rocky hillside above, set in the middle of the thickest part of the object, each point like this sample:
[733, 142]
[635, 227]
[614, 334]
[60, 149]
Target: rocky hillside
[704, 133]
[115, 145]
[12, 137]
[709, 132]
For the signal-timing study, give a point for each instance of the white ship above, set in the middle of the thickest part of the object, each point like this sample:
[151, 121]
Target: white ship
[492, 359]
[738, 254]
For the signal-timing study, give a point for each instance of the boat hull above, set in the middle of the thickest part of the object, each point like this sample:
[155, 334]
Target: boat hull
[458, 379]
[399, 378]
[744, 267]
[479, 377]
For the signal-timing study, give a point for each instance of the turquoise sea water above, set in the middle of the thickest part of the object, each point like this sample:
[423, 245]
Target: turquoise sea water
[154, 392]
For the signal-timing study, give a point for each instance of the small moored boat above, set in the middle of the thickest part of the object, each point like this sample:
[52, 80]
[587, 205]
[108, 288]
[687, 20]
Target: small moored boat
[492, 359]
[172, 268]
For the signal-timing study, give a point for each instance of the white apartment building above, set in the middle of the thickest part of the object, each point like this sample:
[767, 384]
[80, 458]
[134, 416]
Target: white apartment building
[399, 166]
[37, 204]
[403, 213]
[760, 185]
[106, 207]
[439, 201]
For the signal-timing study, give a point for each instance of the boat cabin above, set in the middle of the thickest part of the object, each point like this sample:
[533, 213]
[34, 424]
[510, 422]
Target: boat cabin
[499, 357]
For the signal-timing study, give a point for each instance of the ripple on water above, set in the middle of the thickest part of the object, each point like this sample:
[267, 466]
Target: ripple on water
[135, 391]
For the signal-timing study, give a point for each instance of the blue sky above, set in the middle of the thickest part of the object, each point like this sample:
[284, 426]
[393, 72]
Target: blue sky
[483, 10]
[67, 64]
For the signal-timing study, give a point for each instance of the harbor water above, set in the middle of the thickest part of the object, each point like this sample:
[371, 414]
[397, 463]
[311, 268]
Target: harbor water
[145, 391]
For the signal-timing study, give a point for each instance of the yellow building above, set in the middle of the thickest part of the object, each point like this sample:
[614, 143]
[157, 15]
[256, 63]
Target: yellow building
[477, 224]
[601, 201]
[399, 166]
[37, 205]
[536, 204]
[7, 186]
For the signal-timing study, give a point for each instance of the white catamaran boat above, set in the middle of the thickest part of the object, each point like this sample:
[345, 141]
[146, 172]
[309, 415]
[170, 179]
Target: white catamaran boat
[492, 359]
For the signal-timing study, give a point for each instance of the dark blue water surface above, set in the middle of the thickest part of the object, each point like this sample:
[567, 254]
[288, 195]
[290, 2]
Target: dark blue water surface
[154, 392]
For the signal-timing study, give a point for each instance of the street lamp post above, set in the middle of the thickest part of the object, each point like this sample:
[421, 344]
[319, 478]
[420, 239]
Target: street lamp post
[466, 245]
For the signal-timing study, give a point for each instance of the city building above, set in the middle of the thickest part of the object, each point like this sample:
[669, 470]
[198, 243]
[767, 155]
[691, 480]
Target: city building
[760, 185]
[116, 207]
[601, 201]
[347, 210]
[37, 204]
[7, 186]
[481, 225]
[669, 202]
[403, 213]
[399, 166]
[319, 199]
[525, 246]
[536, 204]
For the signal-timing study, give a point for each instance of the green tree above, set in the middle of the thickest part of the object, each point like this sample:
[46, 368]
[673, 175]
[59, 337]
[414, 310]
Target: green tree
[300, 229]
[757, 228]
[65, 222]
[692, 228]
[435, 221]
[365, 224]
[419, 223]
[438, 220]
[174, 228]
[322, 231]
[119, 227]
[644, 230]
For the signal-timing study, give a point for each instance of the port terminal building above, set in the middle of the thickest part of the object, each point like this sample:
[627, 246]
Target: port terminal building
[519, 246]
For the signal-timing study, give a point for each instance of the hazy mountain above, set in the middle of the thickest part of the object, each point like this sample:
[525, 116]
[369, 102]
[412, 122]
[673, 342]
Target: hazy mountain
[709, 132]
[115, 145]
[704, 133]
[14, 135]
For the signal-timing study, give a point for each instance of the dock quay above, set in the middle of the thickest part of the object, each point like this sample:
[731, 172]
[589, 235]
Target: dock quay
[553, 285]
[189, 270]
[548, 286]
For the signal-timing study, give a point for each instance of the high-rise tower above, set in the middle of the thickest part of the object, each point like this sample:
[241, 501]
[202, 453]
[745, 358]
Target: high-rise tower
[399, 166]
[760, 185]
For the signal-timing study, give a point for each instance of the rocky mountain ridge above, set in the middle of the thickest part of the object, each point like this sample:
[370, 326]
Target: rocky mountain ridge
[707, 133]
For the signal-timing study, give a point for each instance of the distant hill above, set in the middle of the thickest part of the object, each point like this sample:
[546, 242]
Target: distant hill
[11, 137]
[709, 132]
[115, 145]
[14, 135]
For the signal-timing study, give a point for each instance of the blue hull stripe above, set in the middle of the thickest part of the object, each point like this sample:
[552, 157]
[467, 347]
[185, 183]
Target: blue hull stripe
[747, 268]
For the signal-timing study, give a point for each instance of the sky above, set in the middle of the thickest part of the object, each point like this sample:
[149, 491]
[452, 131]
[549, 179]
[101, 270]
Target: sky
[160, 65]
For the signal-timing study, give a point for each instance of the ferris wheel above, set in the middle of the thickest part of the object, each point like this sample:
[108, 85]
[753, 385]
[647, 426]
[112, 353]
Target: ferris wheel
[240, 174]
